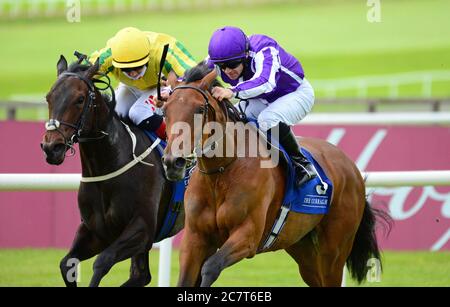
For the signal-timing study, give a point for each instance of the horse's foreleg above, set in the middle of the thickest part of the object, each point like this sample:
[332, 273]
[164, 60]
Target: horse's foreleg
[240, 244]
[84, 246]
[193, 252]
[139, 271]
[133, 240]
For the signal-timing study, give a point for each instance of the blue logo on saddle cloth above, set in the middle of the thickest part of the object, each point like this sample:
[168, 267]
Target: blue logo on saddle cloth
[178, 189]
[311, 198]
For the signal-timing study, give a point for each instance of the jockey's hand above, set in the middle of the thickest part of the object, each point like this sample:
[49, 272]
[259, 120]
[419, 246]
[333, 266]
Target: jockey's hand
[163, 82]
[165, 93]
[221, 93]
[159, 103]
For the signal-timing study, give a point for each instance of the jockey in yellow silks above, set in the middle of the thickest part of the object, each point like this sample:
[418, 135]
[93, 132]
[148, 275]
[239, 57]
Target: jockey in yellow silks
[133, 57]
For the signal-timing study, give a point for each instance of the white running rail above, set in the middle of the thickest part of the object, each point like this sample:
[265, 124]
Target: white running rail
[392, 82]
[404, 118]
[70, 182]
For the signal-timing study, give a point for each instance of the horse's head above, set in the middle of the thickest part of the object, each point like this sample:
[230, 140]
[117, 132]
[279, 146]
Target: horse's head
[184, 131]
[71, 101]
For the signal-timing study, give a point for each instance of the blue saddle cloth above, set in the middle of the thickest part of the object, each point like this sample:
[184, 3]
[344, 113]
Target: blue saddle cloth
[178, 189]
[311, 198]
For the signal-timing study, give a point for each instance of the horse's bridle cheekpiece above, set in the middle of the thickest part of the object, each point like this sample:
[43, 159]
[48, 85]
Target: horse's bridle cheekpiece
[54, 124]
[207, 106]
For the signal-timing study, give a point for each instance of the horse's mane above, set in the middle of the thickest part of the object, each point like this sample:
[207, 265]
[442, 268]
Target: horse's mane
[198, 73]
[77, 67]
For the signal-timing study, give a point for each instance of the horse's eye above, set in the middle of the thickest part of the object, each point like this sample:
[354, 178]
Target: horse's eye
[80, 100]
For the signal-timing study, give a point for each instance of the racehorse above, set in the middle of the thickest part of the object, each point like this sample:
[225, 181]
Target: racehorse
[231, 202]
[122, 197]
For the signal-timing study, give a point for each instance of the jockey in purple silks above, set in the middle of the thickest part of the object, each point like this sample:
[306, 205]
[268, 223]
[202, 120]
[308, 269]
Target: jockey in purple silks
[269, 82]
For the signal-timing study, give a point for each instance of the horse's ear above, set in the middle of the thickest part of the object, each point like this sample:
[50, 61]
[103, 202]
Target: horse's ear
[92, 70]
[61, 66]
[208, 79]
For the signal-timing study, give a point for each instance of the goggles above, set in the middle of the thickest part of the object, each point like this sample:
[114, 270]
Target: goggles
[230, 64]
[140, 70]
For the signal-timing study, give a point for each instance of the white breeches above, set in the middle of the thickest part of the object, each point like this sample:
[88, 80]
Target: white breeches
[135, 104]
[289, 109]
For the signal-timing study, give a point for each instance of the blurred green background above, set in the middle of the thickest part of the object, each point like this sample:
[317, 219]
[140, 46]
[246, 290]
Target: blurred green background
[333, 39]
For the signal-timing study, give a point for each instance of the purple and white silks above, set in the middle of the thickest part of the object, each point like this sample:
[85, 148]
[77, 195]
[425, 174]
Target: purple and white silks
[271, 73]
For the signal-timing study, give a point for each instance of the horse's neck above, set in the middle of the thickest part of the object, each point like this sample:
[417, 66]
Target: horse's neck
[214, 158]
[231, 146]
[246, 144]
[106, 155]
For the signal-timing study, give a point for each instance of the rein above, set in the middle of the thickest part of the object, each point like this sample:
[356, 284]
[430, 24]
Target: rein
[136, 159]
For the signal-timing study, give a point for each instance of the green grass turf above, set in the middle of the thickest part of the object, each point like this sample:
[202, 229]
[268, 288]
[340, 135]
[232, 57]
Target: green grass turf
[40, 267]
[333, 39]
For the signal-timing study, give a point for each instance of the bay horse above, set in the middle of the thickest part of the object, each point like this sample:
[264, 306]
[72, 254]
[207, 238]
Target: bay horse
[122, 211]
[231, 203]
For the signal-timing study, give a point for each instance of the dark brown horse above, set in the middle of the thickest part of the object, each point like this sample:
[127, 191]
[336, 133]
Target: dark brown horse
[231, 202]
[121, 213]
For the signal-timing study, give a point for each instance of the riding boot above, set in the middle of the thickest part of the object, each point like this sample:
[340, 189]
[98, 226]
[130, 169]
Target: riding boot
[304, 170]
[154, 123]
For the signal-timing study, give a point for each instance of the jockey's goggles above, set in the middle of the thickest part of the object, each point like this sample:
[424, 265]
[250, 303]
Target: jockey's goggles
[140, 70]
[230, 64]
[130, 69]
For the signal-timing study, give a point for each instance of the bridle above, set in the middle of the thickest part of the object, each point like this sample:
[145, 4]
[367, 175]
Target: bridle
[206, 104]
[198, 147]
[54, 124]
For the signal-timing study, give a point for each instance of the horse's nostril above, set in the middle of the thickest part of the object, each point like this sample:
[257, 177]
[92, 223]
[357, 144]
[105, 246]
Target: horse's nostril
[54, 149]
[180, 162]
[60, 148]
[54, 153]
